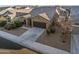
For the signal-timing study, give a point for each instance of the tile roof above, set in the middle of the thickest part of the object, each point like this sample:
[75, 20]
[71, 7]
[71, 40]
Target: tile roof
[44, 15]
[8, 9]
[16, 12]
[49, 10]
[20, 14]
[7, 13]
[74, 11]
[24, 10]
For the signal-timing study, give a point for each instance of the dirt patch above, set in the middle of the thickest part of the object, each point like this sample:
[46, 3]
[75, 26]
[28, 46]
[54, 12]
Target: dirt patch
[18, 31]
[55, 40]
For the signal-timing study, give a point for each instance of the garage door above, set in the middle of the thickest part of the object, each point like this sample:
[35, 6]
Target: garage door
[39, 24]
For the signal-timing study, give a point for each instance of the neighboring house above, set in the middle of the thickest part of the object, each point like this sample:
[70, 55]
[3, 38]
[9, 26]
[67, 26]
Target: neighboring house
[17, 13]
[34, 17]
[23, 17]
[9, 12]
[42, 16]
[24, 14]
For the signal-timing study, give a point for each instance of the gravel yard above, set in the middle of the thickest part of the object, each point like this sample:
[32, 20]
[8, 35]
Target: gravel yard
[55, 40]
[17, 32]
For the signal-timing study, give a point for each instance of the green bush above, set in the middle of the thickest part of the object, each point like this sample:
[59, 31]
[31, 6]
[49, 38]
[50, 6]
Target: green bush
[2, 23]
[18, 23]
[13, 25]
[48, 31]
[9, 26]
[51, 29]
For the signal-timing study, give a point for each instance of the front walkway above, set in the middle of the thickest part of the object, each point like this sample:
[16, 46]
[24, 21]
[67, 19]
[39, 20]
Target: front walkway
[32, 34]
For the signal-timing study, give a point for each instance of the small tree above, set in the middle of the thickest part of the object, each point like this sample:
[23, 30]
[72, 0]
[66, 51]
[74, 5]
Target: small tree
[10, 25]
[51, 29]
[2, 23]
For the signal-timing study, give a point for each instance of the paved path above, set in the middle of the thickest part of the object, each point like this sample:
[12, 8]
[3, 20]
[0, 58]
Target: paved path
[75, 44]
[32, 34]
[75, 40]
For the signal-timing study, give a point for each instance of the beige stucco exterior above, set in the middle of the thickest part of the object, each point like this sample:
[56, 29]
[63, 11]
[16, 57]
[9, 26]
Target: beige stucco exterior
[2, 18]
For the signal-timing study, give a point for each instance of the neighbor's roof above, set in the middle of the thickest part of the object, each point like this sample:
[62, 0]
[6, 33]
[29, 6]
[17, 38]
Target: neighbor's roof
[5, 10]
[6, 13]
[26, 10]
[20, 14]
[16, 12]
[49, 10]
[63, 11]
[74, 11]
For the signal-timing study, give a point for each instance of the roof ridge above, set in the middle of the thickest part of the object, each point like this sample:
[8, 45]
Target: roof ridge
[44, 15]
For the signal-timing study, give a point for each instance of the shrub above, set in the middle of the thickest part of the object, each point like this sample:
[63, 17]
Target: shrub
[52, 30]
[48, 32]
[2, 23]
[13, 25]
[10, 25]
[18, 23]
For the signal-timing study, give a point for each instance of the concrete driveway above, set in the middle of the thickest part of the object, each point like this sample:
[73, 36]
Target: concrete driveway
[27, 41]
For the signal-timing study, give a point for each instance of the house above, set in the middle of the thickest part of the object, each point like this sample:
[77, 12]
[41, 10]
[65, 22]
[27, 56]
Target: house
[23, 17]
[19, 13]
[8, 12]
[24, 14]
[42, 16]
[34, 17]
